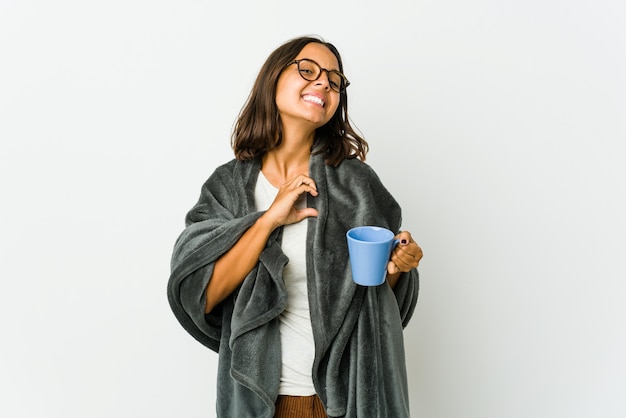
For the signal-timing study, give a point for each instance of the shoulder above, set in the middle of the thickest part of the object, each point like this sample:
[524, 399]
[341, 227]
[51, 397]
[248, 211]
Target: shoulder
[231, 171]
[354, 187]
[225, 170]
[223, 191]
[351, 170]
[220, 182]
[355, 175]
[353, 164]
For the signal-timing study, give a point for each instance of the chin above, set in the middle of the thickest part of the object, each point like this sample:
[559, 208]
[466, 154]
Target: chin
[318, 120]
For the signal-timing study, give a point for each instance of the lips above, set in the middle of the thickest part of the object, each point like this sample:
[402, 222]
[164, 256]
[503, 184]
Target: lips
[313, 99]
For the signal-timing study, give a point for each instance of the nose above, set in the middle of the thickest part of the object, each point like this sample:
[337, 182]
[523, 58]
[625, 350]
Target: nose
[323, 80]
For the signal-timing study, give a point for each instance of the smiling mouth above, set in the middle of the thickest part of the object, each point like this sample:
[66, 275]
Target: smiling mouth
[313, 99]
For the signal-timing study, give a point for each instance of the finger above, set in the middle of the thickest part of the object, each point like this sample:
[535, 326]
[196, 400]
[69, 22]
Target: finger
[407, 257]
[410, 250]
[404, 237]
[392, 268]
[305, 213]
[403, 262]
[408, 245]
[303, 184]
[414, 254]
[309, 182]
[301, 179]
[310, 189]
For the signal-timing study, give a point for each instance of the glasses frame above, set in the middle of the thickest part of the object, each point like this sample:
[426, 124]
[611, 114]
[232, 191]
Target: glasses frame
[346, 83]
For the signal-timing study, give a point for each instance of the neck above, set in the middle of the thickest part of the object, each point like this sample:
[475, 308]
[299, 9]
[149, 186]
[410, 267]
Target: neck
[287, 161]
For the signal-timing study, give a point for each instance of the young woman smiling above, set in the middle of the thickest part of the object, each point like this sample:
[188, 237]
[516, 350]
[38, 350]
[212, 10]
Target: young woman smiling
[261, 272]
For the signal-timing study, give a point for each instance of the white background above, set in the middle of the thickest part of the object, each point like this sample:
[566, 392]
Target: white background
[499, 125]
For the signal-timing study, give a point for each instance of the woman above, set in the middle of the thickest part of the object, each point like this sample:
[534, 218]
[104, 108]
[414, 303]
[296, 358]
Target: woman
[261, 272]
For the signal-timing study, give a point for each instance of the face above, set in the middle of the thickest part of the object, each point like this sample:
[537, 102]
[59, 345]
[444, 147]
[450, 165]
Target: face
[310, 102]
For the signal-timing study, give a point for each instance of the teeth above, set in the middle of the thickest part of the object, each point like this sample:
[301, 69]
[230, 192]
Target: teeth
[314, 99]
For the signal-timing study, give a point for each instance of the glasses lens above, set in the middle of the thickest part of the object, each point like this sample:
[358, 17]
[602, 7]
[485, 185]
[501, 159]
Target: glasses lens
[309, 70]
[336, 81]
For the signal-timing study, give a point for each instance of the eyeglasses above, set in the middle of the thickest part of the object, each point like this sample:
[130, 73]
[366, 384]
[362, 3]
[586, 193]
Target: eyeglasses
[311, 71]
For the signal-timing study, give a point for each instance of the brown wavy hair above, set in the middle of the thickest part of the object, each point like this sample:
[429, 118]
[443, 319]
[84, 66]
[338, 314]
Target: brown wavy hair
[258, 128]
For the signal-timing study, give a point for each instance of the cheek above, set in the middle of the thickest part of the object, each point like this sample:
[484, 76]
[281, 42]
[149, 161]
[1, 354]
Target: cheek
[281, 98]
[334, 107]
[287, 91]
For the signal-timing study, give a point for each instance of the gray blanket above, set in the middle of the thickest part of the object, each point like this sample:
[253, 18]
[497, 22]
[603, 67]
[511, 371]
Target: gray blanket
[359, 367]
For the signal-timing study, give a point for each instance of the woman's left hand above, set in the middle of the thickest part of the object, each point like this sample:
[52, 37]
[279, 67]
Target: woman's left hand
[405, 256]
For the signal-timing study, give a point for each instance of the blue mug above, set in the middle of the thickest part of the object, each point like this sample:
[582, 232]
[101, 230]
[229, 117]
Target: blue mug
[370, 248]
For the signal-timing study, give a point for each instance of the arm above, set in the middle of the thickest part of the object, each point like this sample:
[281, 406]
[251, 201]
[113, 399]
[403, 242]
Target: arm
[233, 266]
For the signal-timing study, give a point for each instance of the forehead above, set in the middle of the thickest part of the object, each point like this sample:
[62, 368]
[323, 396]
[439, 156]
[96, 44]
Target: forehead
[320, 54]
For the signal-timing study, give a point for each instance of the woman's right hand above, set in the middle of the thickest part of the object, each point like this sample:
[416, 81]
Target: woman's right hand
[233, 266]
[283, 211]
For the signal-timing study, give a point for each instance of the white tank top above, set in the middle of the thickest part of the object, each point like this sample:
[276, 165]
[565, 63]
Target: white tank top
[296, 333]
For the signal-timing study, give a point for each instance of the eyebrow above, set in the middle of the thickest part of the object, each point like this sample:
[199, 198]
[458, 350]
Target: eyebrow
[311, 59]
